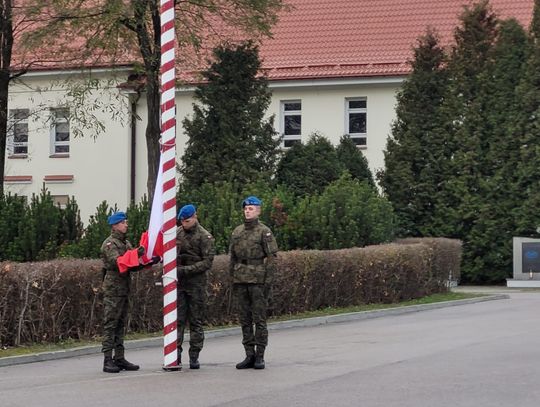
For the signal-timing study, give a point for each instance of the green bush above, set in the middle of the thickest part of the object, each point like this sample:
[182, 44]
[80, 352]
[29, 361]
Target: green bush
[95, 233]
[308, 168]
[348, 213]
[12, 212]
[89, 244]
[60, 299]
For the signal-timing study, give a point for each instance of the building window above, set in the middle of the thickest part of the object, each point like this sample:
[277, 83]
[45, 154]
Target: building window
[60, 201]
[356, 120]
[291, 122]
[60, 132]
[18, 134]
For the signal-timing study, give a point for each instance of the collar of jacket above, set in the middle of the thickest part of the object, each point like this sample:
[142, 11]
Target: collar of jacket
[191, 229]
[118, 235]
[251, 223]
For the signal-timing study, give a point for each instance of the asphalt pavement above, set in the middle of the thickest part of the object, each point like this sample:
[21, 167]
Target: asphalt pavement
[475, 354]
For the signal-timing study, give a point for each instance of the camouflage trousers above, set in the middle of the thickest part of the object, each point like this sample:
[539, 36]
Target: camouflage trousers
[191, 311]
[114, 322]
[251, 303]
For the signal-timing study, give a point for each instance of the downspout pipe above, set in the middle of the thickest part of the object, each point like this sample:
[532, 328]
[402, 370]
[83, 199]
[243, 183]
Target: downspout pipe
[133, 163]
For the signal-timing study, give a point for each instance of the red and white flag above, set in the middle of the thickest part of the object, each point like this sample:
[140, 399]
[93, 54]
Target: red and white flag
[152, 240]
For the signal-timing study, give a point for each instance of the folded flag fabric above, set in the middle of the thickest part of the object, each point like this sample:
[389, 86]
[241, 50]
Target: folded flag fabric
[151, 250]
[129, 259]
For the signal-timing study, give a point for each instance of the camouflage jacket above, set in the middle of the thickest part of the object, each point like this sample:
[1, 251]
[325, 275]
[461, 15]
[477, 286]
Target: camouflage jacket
[114, 283]
[195, 253]
[252, 252]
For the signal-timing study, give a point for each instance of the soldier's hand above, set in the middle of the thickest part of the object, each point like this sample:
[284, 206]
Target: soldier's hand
[181, 272]
[268, 294]
[155, 260]
[140, 251]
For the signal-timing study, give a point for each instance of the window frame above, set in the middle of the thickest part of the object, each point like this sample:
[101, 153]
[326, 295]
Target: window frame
[60, 201]
[283, 114]
[360, 139]
[57, 119]
[12, 145]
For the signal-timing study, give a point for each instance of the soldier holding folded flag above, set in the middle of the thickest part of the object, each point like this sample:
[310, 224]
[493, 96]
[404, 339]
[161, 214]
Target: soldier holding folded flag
[119, 259]
[195, 251]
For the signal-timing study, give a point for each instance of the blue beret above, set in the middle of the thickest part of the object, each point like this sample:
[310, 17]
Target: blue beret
[251, 200]
[187, 211]
[116, 217]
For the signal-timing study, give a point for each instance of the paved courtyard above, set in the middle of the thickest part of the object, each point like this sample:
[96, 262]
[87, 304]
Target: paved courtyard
[483, 354]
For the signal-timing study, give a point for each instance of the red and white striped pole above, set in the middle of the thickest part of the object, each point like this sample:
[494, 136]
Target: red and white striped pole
[168, 158]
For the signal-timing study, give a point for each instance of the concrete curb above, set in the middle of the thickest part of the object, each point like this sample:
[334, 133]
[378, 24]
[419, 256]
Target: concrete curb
[294, 323]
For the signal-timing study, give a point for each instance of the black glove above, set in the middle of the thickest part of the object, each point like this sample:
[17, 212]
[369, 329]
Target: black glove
[140, 251]
[155, 260]
[136, 268]
[268, 294]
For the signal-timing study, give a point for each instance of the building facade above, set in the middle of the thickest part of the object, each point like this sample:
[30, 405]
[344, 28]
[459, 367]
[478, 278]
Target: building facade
[334, 68]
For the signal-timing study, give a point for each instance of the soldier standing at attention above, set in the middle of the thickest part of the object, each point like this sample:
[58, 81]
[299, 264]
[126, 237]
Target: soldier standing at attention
[252, 252]
[115, 295]
[195, 249]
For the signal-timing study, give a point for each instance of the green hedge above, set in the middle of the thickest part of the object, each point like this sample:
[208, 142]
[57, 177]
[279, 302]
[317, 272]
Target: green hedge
[60, 299]
[348, 213]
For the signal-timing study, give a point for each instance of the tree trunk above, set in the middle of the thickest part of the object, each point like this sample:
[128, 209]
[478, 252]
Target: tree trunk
[6, 46]
[153, 130]
[4, 84]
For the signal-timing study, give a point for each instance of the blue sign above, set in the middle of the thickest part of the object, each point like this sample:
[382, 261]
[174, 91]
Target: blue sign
[530, 256]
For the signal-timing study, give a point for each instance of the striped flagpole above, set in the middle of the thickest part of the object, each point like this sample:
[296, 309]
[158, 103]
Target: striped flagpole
[168, 155]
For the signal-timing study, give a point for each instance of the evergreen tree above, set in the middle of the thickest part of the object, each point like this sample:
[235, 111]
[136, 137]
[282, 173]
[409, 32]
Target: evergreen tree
[527, 132]
[13, 210]
[488, 250]
[229, 138]
[463, 122]
[72, 226]
[308, 169]
[416, 156]
[352, 159]
[347, 213]
[478, 198]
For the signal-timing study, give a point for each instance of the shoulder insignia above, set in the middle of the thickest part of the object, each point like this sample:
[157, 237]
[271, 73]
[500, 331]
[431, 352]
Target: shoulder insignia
[108, 244]
[209, 236]
[269, 234]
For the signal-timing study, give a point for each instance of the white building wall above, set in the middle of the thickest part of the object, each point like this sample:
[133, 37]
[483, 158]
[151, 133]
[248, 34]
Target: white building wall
[100, 165]
[324, 111]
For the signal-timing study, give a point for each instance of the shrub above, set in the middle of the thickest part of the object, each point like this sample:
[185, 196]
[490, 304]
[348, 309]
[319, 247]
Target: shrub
[349, 213]
[60, 299]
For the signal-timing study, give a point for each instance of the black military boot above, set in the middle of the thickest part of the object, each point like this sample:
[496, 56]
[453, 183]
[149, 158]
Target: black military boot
[109, 366]
[247, 363]
[259, 361]
[123, 364]
[194, 362]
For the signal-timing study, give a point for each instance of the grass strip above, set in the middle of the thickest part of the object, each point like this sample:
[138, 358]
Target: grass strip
[72, 343]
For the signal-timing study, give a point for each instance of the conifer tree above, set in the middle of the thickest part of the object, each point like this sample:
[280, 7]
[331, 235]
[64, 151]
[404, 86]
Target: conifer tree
[527, 131]
[308, 169]
[488, 250]
[352, 159]
[463, 125]
[229, 137]
[416, 154]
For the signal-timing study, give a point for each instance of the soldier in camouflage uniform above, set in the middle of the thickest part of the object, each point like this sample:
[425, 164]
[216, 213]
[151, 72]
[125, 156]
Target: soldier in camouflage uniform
[195, 249]
[252, 252]
[115, 295]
